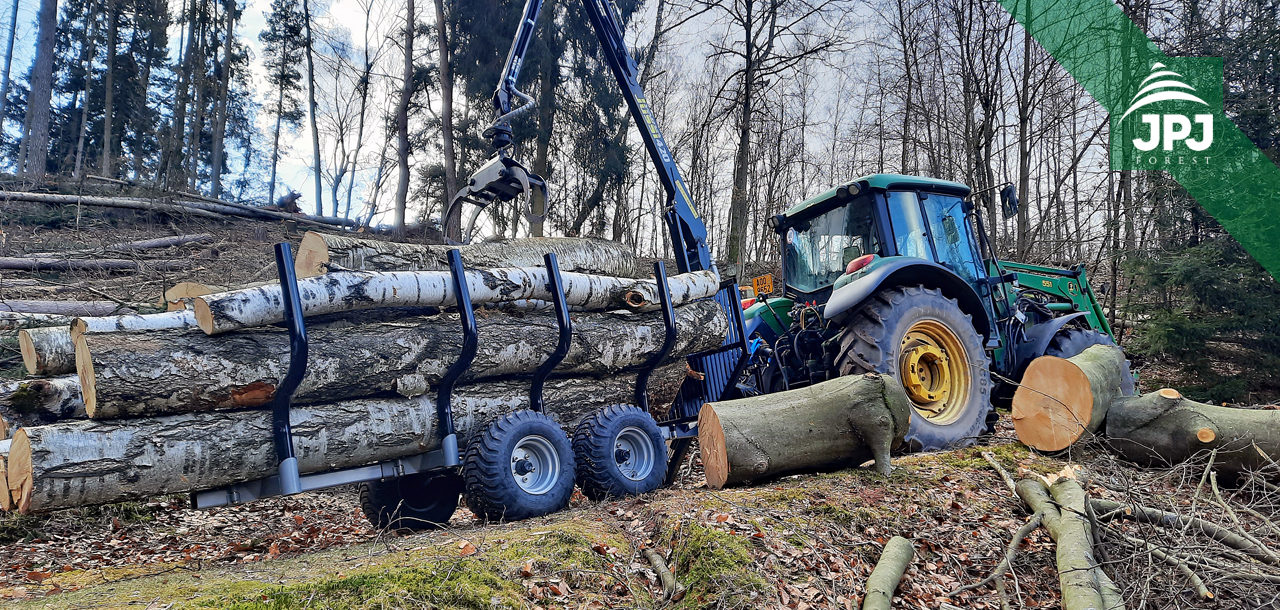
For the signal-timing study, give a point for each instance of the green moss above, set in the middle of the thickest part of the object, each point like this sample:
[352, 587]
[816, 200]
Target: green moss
[717, 568]
[464, 583]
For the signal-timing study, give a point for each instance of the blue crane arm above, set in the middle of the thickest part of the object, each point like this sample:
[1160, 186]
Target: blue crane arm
[688, 233]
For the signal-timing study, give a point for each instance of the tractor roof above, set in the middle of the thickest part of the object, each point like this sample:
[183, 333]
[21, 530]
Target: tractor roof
[885, 182]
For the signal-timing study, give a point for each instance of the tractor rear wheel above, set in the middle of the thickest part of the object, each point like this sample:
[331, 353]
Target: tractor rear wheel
[924, 340]
[416, 502]
[1071, 341]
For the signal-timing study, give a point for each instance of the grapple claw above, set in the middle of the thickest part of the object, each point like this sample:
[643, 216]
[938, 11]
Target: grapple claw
[500, 179]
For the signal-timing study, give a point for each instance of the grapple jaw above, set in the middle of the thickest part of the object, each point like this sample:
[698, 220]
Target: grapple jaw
[500, 179]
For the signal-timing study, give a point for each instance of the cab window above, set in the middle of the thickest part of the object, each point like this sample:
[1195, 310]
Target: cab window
[908, 225]
[952, 238]
[819, 250]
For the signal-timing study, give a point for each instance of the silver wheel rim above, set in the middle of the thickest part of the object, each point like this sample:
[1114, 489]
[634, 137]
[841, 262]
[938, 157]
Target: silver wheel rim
[535, 464]
[633, 453]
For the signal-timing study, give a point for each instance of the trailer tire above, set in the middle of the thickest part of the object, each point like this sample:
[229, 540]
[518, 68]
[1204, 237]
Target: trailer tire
[519, 466]
[871, 342]
[1071, 341]
[423, 501]
[620, 452]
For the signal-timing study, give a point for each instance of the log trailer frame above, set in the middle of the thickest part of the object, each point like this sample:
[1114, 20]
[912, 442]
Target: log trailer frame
[941, 329]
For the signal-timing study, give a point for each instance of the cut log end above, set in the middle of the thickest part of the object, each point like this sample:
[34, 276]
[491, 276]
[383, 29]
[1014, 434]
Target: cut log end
[18, 474]
[204, 315]
[78, 327]
[6, 500]
[1053, 405]
[634, 299]
[84, 371]
[28, 348]
[313, 256]
[715, 459]
[1170, 394]
[1206, 435]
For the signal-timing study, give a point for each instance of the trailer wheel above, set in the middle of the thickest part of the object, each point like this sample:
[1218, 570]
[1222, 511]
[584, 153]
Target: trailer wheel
[519, 466]
[924, 340]
[1071, 341]
[421, 501]
[620, 452]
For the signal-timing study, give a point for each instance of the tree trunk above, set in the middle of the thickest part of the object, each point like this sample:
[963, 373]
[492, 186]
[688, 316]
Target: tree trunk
[311, 107]
[14, 320]
[1059, 400]
[450, 159]
[36, 401]
[1162, 428]
[220, 113]
[34, 152]
[888, 572]
[1062, 511]
[88, 53]
[742, 160]
[63, 308]
[96, 462]
[839, 423]
[131, 375]
[102, 264]
[320, 252]
[109, 87]
[402, 120]
[350, 291]
[47, 351]
[8, 65]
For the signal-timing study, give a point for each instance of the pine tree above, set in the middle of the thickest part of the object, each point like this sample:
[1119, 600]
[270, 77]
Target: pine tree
[283, 50]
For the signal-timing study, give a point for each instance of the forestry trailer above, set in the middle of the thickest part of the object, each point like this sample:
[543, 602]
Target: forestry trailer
[885, 273]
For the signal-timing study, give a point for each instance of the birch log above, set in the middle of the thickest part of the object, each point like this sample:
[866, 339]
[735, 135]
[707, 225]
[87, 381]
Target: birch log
[131, 375]
[348, 291]
[322, 252]
[12, 320]
[45, 400]
[839, 423]
[1060, 400]
[65, 308]
[96, 462]
[51, 350]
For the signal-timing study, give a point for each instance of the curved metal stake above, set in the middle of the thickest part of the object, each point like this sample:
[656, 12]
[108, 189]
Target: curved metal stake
[668, 341]
[282, 401]
[444, 395]
[556, 286]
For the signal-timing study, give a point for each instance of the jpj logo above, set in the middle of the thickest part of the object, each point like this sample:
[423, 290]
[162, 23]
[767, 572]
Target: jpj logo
[1169, 121]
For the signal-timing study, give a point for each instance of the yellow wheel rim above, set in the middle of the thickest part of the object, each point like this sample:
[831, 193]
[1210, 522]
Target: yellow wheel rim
[934, 370]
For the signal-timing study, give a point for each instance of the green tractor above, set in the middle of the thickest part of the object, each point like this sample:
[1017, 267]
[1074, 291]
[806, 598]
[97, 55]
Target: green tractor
[894, 274]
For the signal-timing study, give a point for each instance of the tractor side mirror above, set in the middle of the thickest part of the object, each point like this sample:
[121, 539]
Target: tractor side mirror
[1009, 201]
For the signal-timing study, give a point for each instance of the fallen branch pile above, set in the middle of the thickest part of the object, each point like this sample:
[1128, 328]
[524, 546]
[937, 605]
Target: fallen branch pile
[139, 405]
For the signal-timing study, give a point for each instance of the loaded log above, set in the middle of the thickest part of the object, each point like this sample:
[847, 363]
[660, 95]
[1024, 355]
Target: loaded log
[51, 350]
[33, 401]
[87, 462]
[348, 291]
[130, 375]
[1060, 400]
[839, 423]
[321, 252]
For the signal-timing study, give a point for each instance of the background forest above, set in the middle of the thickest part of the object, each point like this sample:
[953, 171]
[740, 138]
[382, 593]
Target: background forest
[374, 109]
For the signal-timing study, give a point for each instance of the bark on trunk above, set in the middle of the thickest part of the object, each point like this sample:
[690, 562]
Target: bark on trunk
[51, 350]
[1163, 428]
[101, 264]
[320, 251]
[35, 401]
[64, 308]
[130, 375]
[349, 291]
[1060, 400]
[839, 423]
[96, 462]
[1062, 511]
[11, 320]
[884, 579]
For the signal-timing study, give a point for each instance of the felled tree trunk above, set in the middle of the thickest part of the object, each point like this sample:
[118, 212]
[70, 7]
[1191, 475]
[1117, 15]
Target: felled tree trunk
[1061, 508]
[1061, 399]
[11, 320]
[839, 423]
[51, 350]
[1163, 427]
[34, 401]
[65, 308]
[322, 252]
[348, 291]
[884, 579]
[129, 375]
[95, 462]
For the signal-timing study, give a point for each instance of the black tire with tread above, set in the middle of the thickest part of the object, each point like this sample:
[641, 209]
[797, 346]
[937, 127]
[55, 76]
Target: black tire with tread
[593, 445]
[869, 341]
[490, 489]
[422, 501]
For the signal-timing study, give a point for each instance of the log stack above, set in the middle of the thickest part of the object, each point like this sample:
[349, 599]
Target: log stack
[125, 407]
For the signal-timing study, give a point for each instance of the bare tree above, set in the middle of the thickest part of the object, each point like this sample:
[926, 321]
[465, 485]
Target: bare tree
[311, 105]
[8, 64]
[402, 119]
[34, 150]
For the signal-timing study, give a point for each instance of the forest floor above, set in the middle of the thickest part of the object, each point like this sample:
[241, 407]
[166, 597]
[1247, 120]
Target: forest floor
[801, 542]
